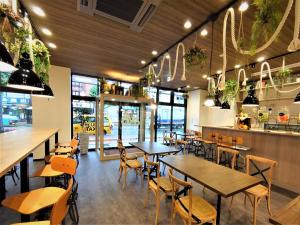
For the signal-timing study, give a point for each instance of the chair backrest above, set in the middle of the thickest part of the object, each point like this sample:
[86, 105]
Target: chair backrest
[266, 173]
[198, 133]
[181, 144]
[176, 183]
[229, 158]
[61, 207]
[150, 166]
[74, 143]
[122, 150]
[65, 165]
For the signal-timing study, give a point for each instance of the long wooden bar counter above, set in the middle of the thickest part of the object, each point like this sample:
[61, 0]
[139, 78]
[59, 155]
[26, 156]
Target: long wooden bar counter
[284, 147]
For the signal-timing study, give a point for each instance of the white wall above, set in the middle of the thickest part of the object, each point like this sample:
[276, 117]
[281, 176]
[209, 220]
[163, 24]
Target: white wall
[200, 115]
[54, 113]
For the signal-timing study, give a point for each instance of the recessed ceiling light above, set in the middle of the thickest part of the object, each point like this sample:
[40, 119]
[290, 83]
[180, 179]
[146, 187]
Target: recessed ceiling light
[143, 62]
[179, 89]
[264, 75]
[154, 52]
[243, 6]
[204, 32]
[153, 82]
[219, 71]
[260, 59]
[155, 65]
[208, 78]
[188, 86]
[187, 24]
[158, 80]
[135, 101]
[52, 45]
[237, 66]
[204, 76]
[46, 31]
[168, 78]
[38, 11]
[113, 99]
[167, 56]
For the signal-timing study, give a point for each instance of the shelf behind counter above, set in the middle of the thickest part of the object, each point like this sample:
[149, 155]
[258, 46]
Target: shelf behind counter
[282, 146]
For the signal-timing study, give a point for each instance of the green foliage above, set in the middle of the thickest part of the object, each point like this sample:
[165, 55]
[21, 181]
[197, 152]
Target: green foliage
[93, 91]
[283, 75]
[195, 56]
[267, 19]
[4, 78]
[230, 91]
[41, 58]
[150, 77]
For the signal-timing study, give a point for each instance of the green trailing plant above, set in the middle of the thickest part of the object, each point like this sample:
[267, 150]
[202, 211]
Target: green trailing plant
[231, 90]
[267, 18]
[150, 77]
[282, 75]
[41, 58]
[195, 56]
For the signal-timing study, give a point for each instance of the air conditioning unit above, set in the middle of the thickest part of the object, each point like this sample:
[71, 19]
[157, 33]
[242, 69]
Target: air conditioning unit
[132, 13]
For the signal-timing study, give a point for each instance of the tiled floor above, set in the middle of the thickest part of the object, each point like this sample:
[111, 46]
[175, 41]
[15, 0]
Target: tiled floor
[102, 201]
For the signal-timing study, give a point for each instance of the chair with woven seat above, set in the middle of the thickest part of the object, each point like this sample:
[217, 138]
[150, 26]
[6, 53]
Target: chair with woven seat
[33, 201]
[192, 208]
[128, 163]
[58, 212]
[160, 186]
[182, 145]
[259, 191]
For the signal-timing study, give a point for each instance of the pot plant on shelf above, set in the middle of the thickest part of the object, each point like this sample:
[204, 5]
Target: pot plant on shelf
[282, 76]
[195, 56]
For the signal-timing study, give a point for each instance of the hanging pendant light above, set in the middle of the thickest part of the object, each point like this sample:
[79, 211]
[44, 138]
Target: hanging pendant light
[209, 101]
[47, 93]
[6, 62]
[297, 99]
[24, 78]
[225, 105]
[251, 100]
[217, 103]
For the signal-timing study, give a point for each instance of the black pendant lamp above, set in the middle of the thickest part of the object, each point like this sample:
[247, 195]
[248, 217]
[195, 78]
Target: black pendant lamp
[24, 78]
[225, 105]
[47, 93]
[297, 99]
[6, 62]
[251, 100]
[217, 103]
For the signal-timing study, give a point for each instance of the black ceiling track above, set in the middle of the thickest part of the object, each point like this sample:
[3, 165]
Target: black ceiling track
[210, 18]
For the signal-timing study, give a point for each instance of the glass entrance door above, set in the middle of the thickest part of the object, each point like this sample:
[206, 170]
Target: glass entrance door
[111, 125]
[130, 115]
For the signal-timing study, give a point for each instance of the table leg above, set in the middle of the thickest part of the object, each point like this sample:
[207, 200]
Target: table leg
[24, 178]
[56, 138]
[47, 152]
[185, 179]
[2, 188]
[219, 209]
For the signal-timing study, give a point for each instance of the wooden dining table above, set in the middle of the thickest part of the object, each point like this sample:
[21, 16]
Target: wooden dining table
[15, 147]
[225, 182]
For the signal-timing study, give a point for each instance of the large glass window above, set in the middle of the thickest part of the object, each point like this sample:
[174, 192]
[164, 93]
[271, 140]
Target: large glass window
[130, 123]
[15, 111]
[84, 86]
[178, 119]
[178, 98]
[164, 96]
[111, 125]
[84, 120]
[163, 120]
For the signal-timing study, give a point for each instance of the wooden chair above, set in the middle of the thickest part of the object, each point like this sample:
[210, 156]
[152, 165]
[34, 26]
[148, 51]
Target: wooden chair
[33, 201]
[288, 214]
[192, 208]
[229, 158]
[182, 145]
[168, 140]
[59, 210]
[259, 191]
[128, 163]
[160, 186]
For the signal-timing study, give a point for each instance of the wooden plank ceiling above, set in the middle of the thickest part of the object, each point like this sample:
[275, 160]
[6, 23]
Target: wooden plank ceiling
[98, 46]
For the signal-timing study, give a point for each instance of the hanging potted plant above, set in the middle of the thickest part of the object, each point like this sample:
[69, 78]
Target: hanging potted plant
[195, 56]
[267, 19]
[230, 91]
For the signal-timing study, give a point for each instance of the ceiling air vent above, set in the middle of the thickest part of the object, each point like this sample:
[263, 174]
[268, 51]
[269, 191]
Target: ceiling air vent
[132, 13]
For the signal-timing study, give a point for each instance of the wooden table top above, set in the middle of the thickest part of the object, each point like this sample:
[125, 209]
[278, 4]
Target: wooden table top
[217, 178]
[154, 148]
[16, 145]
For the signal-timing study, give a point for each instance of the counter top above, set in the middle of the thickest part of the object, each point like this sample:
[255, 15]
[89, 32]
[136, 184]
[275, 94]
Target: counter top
[271, 132]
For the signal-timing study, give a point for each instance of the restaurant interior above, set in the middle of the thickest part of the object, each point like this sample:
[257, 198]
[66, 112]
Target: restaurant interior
[149, 112]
